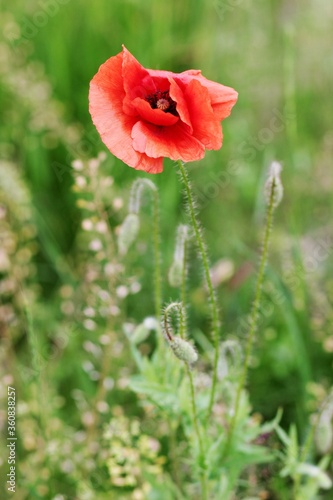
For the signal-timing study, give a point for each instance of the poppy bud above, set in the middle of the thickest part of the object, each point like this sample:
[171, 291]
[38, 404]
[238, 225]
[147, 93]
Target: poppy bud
[128, 232]
[177, 267]
[143, 330]
[324, 436]
[140, 334]
[274, 184]
[324, 430]
[184, 350]
[175, 274]
[137, 190]
[181, 348]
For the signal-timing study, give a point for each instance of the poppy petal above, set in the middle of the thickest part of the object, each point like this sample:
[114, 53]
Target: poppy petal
[105, 105]
[177, 95]
[137, 81]
[172, 142]
[206, 127]
[156, 116]
[222, 98]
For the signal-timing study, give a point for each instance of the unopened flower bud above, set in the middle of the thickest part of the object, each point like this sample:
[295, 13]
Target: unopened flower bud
[184, 350]
[324, 432]
[177, 267]
[274, 184]
[324, 437]
[139, 186]
[175, 274]
[143, 330]
[140, 334]
[128, 232]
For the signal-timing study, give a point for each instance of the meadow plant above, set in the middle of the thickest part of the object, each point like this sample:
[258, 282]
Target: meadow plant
[218, 456]
[121, 393]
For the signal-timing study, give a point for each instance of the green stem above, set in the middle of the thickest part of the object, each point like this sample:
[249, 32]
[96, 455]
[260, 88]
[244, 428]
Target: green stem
[205, 261]
[183, 292]
[203, 476]
[203, 471]
[253, 315]
[157, 256]
[169, 335]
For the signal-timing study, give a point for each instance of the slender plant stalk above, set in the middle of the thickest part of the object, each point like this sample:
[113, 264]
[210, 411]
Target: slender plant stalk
[203, 472]
[183, 325]
[205, 261]
[169, 335]
[182, 330]
[157, 256]
[253, 315]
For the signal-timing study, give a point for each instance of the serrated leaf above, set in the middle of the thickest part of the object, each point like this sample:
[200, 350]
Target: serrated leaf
[162, 395]
[283, 436]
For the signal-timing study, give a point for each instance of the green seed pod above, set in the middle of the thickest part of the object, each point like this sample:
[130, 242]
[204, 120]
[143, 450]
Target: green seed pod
[184, 350]
[128, 232]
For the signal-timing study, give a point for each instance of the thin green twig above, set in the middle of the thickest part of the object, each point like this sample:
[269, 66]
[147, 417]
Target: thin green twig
[157, 256]
[169, 335]
[203, 471]
[253, 315]
[205, 261]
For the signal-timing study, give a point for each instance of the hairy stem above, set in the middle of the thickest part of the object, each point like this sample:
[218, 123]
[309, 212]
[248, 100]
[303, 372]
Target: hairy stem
[169, 335]
[253, 315]
[157, 256]
[205, 261]
[203, 472]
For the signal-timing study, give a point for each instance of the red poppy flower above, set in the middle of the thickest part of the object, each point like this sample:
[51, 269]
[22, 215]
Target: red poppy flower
[144, 115]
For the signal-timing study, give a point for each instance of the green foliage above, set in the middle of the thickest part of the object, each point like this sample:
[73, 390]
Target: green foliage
[308, 479]
[104, 407]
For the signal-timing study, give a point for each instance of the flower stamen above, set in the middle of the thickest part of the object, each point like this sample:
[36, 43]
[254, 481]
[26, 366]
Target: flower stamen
[163, 104]
[163, 101]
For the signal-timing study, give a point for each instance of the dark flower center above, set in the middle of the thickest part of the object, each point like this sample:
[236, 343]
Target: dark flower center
[163, 101]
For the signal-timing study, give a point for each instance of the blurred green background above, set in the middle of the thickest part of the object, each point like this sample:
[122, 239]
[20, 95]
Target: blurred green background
[278, 56]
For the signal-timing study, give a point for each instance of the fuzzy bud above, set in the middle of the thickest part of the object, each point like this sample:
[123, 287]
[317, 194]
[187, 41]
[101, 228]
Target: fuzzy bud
[230, 358]
[128, 232]
[324, 430]
[274, 179]
[175, 274]
[139, 186]
[177, 267]
[324, 437]
[140, 334]
[184, 350]
[143, 330]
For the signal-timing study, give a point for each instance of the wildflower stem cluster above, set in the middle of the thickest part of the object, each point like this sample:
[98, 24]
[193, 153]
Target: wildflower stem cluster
[205, 261]
[157, 256]
[273, 197]
[183, 356]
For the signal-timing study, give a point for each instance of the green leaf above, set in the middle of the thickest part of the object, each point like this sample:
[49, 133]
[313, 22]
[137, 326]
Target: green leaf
[163, 395]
